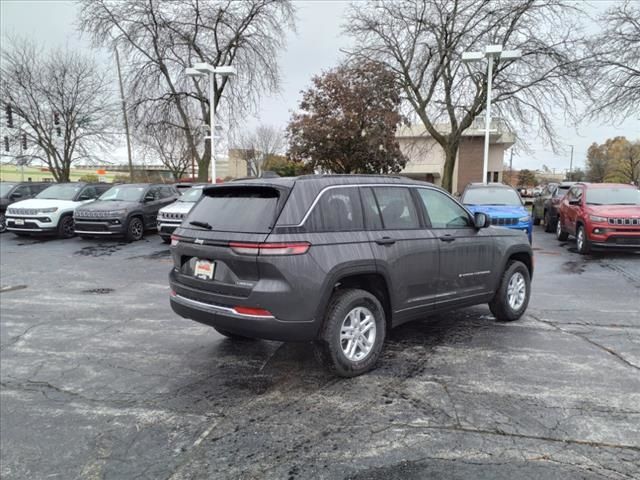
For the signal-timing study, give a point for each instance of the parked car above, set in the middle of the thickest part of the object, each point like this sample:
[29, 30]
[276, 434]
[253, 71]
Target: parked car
[170, 217]
[339, 260]
[51, 210]
[11, 192]
[545, 206]
[125, 210]
[501, 203]
[601, 215]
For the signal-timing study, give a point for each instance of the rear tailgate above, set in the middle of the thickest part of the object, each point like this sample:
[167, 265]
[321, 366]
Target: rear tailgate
[223, 216]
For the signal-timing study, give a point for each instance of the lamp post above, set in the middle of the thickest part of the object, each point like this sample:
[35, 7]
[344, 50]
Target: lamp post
[490, 52]
[202, 70]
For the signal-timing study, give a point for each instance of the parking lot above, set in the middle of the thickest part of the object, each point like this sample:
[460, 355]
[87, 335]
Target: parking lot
[100, 379]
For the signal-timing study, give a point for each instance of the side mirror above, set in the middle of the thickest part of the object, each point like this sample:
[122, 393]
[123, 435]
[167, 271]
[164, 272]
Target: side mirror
[575, 202]
[16, 195]
[149, 197]
[481, 220]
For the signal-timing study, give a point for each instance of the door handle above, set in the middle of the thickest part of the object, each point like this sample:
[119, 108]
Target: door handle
[448, 238]
[385, 241]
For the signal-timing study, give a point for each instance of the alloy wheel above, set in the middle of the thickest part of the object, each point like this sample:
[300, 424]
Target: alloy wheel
[358, 334]
[3, 223]
[516, 291]
[136, 229]
[580, 239]
[67, 226]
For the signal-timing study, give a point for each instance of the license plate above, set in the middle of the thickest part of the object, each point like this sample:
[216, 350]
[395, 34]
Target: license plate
[19, 221]
[204, 269]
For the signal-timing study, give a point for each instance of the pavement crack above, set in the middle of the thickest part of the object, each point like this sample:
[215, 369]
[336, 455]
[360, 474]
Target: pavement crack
[608, 350]
[17, 338]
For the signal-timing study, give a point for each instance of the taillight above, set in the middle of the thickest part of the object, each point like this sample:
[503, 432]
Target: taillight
[289, 248]
[174, 240]
[254, 312]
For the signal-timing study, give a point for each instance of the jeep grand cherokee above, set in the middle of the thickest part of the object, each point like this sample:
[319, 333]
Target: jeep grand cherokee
[339, 260]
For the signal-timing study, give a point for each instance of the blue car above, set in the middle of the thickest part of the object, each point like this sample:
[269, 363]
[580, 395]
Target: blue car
[502, 203]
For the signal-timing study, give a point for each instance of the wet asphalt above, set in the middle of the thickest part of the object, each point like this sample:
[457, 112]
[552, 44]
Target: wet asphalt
[100, 380]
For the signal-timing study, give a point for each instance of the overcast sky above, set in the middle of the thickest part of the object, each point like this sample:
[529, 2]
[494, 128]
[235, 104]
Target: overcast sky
[314, 48]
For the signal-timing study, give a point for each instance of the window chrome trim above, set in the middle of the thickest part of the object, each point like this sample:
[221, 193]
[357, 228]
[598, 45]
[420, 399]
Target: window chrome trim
[370, 185]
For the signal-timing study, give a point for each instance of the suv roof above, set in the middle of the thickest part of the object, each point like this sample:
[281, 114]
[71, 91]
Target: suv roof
[487, 185]
[325, 180]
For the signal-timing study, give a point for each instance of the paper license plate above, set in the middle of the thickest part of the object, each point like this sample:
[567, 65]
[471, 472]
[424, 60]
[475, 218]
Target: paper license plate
[19, 221]
[204, 269]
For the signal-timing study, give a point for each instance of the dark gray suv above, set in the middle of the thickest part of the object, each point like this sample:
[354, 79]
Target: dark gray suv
[125, 210]
[339, 260]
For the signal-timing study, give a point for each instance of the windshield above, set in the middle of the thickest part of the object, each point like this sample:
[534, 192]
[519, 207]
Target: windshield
[123, 193]
[561, 191]
[491, 196]
[191, 195]
[61, 192]
[613, 196]
[5, 188]
[236, 209]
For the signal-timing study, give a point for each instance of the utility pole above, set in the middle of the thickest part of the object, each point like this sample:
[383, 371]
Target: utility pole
[124, 112]
[571, 165]
[511, 167]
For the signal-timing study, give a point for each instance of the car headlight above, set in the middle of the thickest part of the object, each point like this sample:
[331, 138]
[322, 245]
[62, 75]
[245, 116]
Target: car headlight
[597, 218]
[524, 219]
[47, 210]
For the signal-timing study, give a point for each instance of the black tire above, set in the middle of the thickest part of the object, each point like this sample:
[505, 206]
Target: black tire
[65, 227]
[536, 219]
[561, 235]
[135, 230]
[230, 335]
[582, 241]
[500, 306]
[3, 223]
[549, 225]
[329, 347]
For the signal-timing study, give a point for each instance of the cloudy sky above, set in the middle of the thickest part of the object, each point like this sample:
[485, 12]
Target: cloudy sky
[313, 48]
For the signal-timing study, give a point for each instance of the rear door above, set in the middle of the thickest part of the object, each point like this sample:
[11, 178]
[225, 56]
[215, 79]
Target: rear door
[406, 252]
[223, 228]
[467, 254]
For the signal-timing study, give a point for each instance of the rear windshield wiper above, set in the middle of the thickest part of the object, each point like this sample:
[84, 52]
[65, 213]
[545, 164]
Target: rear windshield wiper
[205, 225]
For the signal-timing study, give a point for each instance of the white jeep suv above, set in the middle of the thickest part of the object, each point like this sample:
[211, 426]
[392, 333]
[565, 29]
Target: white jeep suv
[170, 217]
[51, 211]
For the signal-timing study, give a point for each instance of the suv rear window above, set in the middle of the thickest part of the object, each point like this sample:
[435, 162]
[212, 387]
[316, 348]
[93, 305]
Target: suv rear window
[244, 209]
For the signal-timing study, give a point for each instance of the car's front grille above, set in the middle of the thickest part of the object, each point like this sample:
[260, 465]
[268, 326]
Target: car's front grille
[504, 221]
[93, 214]
[624, 240]
[22, 211]
[91, 227]
[171, 216]
[624, 221]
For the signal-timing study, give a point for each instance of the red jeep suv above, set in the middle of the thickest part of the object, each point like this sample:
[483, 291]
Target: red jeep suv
[601, 215]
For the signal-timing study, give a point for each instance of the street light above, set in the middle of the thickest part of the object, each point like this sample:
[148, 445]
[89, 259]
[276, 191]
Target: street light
[490, 52]
[202, 70]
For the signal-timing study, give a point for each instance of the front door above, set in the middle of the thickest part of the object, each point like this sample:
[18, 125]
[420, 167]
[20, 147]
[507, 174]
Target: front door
[467, 254]
[405, 251]
[572, 211]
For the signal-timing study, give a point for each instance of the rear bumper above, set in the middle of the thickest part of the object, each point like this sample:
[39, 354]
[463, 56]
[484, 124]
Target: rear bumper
[269, 328]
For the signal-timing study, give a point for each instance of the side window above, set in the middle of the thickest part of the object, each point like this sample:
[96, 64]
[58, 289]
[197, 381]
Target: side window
[22, 190]
[397, 208]
[155, 191]
[578, 194]
[88, 193]
[168, 192]
[338, 210]
[443, 212]
[370, 209]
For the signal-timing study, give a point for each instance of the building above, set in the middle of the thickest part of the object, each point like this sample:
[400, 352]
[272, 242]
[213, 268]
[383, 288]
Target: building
[426, 157]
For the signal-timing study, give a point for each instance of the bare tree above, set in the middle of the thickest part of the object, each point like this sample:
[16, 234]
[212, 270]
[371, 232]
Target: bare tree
[616, 64]
[422, 42]
[61, 103]
[257, 146]
[161, 39]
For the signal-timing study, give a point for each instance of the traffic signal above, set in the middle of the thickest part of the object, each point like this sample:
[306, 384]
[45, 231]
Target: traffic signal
[59, 131]
[24, 141]
[6, 143]
[9, 116]
[56, 118]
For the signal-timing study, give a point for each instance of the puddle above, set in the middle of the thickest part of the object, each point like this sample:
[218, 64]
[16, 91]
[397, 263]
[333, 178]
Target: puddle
[153, 255]
[99, 291]
[574, 267]
[100, 250]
